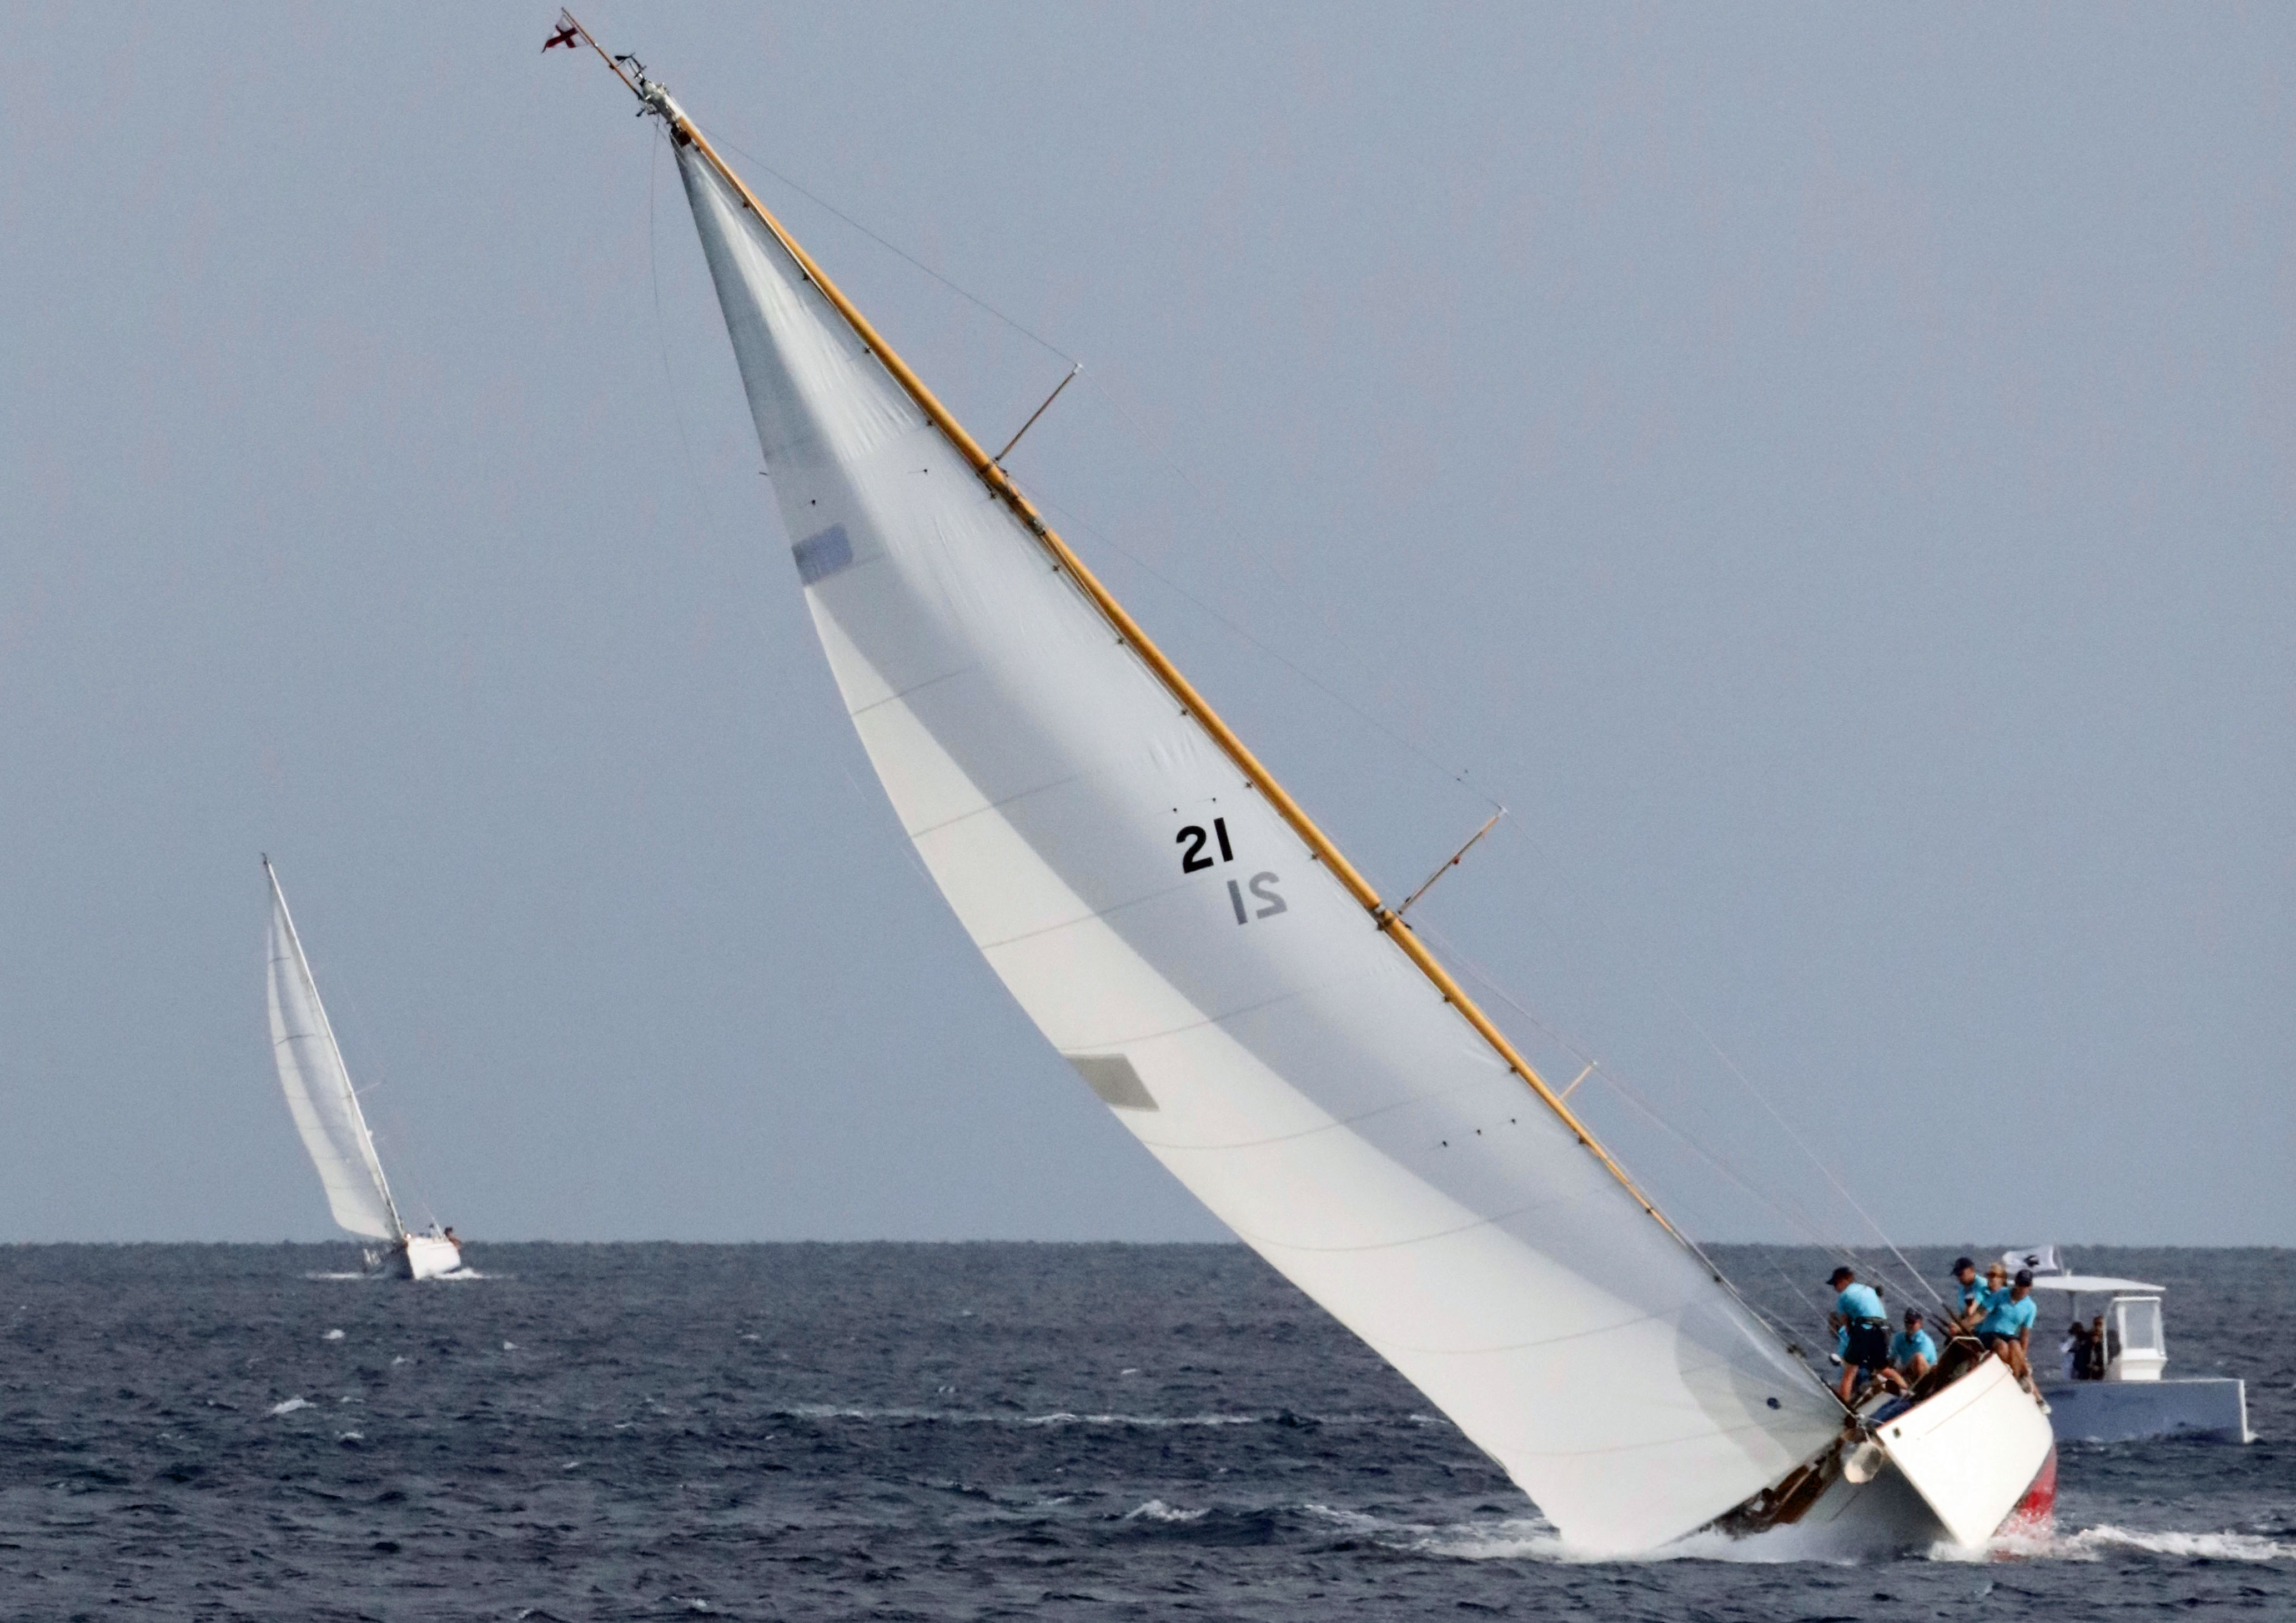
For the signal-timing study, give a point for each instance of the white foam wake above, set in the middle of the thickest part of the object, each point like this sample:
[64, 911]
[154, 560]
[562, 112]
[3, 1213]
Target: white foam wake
[1064, 1418]
[1534, 1539]
[1156, 1509]
[975, 1417]
[2100, 1543]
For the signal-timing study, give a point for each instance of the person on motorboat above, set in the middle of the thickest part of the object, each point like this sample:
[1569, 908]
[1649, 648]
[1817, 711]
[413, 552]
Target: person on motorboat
[2074, 1348]
[1912, 1354]
[1865, 1326]
[2097, 1354]
[2007, 1326]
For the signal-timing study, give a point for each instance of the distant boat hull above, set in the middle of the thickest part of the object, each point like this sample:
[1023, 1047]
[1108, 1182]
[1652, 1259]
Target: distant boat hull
[428, 1256]
[2131, 1411]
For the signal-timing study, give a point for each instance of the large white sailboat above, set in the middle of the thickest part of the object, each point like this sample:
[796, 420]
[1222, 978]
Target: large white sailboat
[1251, 1008]
[327, 1114]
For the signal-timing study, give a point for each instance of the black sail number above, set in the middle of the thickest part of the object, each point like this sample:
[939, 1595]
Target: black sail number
[1192, 860]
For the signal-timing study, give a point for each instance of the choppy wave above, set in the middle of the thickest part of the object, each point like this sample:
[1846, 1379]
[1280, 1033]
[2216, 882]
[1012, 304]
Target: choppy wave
[1508, 1538]
[1156, 1509]
[1057, 1417]
[1062, 1417]
[889, 1449]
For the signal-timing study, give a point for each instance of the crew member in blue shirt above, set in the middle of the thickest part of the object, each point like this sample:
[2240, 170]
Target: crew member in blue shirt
[1912, 1354]
[1969, 1296]
[2007, 1326]
[1858, 1312]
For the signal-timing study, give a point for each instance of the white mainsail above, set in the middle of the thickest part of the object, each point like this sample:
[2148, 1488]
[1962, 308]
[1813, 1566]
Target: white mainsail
[318, 1087]
[1180, 942]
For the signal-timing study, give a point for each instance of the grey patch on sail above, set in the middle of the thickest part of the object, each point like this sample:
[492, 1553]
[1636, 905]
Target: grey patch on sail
[1113, 1077]
[818, 557]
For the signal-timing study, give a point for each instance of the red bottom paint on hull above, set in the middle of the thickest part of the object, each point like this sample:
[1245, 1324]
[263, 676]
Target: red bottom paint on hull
[2035, 1515]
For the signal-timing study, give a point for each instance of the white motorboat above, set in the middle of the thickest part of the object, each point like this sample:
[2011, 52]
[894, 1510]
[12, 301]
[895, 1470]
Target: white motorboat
[2126, 1394]
[1253, 1009]
[327, 1114]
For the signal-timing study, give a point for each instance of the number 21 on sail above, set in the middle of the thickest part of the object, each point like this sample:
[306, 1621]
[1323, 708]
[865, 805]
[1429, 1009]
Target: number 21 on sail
[1261, 886]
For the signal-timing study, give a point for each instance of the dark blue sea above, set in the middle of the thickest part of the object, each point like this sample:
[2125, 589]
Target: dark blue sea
[942, 1432]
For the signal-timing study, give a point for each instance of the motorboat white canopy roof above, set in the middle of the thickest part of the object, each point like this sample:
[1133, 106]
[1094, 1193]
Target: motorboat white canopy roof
[2092, 1281]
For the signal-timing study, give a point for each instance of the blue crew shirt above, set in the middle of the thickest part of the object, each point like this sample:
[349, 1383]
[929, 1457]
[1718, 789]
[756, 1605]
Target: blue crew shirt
[1859, 1302]
[2006, 1316]
[1905, 1348]
[1972, 1297]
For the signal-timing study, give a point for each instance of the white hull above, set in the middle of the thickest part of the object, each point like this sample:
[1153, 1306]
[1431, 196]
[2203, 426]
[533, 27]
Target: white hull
[427, 1257]
[1961, 1468]
[1859, 1521]
[1971, 1451]
[2127, 1411]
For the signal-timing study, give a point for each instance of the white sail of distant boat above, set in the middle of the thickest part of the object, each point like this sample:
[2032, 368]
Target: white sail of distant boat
[326, 1107]
[1246, 1002]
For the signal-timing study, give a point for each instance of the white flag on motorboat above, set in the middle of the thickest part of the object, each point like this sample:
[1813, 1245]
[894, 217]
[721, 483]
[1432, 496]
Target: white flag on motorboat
[2040, 1258]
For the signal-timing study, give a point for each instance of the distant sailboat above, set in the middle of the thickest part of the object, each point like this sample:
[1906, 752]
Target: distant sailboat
[1254, 1012]
[326, 1110]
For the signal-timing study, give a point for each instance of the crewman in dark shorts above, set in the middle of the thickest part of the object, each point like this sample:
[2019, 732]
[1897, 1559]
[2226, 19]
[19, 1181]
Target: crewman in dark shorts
[1857, 1312]
[2007, 1326]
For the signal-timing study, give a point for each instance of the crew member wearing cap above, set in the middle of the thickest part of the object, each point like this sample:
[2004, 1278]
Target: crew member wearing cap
[2007, 1326]
[1912, 1354]
[1859, 1314]
[1969, 1293]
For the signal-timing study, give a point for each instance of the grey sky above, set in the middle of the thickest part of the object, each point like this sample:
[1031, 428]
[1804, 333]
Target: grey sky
[1828, 472]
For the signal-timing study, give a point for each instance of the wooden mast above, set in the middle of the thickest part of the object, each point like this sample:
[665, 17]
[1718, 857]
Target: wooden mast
[1386, 919]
